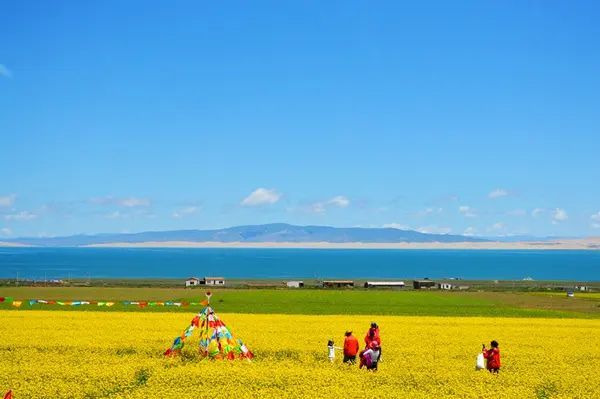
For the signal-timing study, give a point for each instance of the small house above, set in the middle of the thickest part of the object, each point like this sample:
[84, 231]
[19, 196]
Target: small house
[445, 286]
[192, 282]
[384, 284]
[214, 281]
[338, 284]
[294, 284]
[582, 288]
[420, 284]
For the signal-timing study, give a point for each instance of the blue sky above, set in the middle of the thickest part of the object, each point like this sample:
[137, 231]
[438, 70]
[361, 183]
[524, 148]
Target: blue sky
[464, 117]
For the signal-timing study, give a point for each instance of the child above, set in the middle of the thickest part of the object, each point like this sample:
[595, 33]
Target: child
[331, 349]
[493, 357]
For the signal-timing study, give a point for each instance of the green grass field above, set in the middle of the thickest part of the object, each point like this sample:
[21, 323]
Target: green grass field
[318, 301]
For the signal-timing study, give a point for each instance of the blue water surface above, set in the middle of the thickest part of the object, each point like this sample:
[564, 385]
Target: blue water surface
[60, 263]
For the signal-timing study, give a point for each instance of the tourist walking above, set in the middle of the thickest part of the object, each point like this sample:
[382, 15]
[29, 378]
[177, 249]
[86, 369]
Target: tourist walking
[350, 348]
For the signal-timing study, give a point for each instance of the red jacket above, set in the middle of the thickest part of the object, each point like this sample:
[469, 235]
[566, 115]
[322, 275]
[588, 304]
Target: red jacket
[350, 346]
[493, 358]
[376, 337]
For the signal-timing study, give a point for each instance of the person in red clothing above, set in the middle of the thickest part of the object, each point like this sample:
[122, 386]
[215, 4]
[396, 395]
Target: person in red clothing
[373, 339]
[372, 336]
[350, 348]
[493, 357]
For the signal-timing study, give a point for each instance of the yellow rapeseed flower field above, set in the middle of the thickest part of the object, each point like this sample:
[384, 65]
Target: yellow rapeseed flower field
[47, 354]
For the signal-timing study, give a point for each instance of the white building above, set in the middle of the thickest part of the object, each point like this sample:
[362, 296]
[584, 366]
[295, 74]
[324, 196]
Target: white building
[449, 286]
[192, 282]
[294, 284]
[215, 281]
[384, 284]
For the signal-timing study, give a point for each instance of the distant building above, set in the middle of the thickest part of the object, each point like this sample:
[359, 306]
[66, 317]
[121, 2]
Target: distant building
[420, 284]
[384, 284]
[192, 282]
[449, 286]
[215, 281]
[338, 283]
[294, 284]
[582, 288]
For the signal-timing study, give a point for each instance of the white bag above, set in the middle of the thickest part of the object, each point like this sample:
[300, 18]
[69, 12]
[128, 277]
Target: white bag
[480, 365]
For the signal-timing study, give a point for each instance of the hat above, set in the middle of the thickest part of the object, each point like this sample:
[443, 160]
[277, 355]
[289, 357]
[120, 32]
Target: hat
[348, 333]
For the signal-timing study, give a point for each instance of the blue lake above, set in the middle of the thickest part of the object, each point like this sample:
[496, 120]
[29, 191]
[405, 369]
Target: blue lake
[59, 263]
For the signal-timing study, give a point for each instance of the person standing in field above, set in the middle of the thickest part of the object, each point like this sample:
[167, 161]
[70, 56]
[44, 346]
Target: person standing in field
[350, 348]
[372, 335]
[493, 357]
[331, 350]
[372, 338]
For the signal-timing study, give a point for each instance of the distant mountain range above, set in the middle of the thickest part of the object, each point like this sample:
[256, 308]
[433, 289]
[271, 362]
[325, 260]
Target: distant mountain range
[266, 233]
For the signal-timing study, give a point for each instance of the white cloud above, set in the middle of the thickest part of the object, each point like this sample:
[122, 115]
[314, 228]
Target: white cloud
[317, 207]
[4, 71]
[261, 196]
[127, 202]
[434, 230]
[467, 211]
[21, 216]
[130, 213]
[133, 202]
[498, 226]
[470, 231]
[537, 212]
[115, 215]
[559, 215]
[7, 200]
[186, 211]
[596, 220]
[5, 231]
[498, 193]
[398, 226]
[338, 201]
